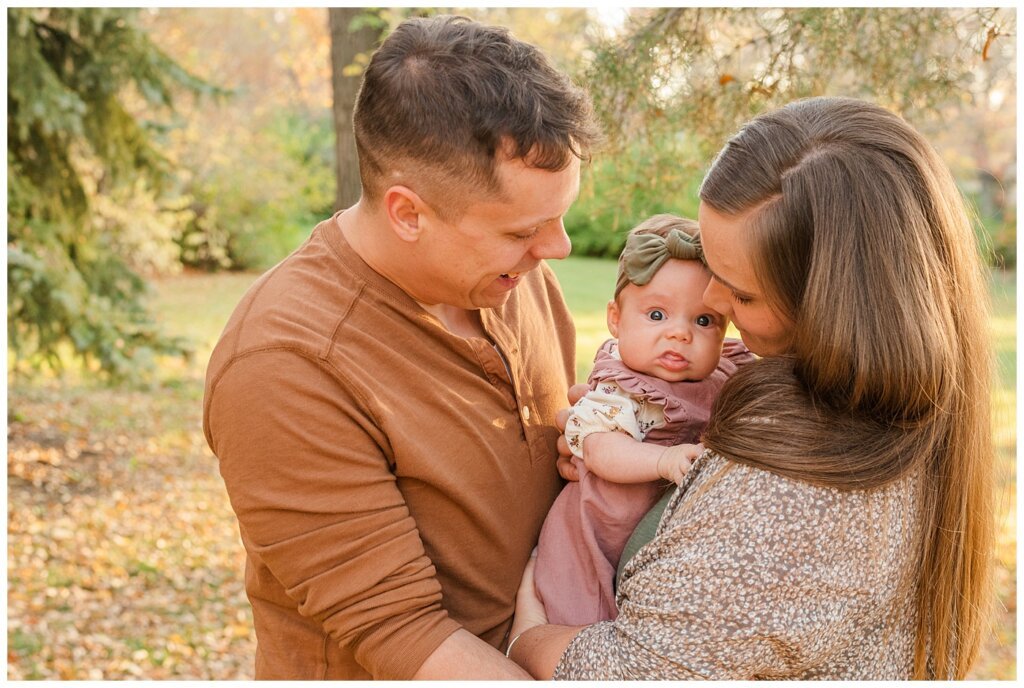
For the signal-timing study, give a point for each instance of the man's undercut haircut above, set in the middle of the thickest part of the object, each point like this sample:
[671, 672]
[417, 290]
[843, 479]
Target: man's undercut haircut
[444, 97]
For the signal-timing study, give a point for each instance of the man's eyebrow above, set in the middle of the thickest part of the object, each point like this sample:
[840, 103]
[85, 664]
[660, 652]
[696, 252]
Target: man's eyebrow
[528, 226]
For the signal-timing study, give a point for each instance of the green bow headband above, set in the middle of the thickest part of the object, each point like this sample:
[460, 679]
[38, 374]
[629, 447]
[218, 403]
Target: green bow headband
[645, 253]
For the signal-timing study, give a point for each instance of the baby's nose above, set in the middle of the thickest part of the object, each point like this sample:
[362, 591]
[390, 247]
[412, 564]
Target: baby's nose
[681, 331]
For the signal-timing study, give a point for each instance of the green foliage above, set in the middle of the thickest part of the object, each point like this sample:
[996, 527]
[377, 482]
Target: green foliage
[694, 75]
[995, 221]
[369, 18]
[1004, 243]
[706, 71]
[255, 203]
[80, 82]
[96, 308]
[618, 192]
[996, 237]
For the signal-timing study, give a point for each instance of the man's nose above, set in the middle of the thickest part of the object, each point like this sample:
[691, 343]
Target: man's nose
[553, 243]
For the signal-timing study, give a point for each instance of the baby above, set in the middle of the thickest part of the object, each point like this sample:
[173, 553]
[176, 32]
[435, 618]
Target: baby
[656, 381]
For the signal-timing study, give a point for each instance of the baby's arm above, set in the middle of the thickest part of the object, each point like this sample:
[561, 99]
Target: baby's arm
[621, 459]
[604, 431]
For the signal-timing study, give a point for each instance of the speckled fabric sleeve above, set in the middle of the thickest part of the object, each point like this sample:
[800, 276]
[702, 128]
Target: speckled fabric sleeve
[753, 575]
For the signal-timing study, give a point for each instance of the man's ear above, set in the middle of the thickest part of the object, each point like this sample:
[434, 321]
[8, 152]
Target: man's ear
[613, 318]
[404, 209]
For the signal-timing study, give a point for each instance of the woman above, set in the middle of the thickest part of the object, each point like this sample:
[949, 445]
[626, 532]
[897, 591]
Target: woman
[840, 523]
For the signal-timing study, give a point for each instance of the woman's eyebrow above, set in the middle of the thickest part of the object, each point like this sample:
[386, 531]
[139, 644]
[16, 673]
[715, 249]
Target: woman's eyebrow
[728, 284]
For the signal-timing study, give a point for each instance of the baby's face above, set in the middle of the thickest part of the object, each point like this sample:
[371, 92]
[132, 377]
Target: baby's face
[664, 329]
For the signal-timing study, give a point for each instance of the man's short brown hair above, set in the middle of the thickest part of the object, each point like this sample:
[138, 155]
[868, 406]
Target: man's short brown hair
[443, 97]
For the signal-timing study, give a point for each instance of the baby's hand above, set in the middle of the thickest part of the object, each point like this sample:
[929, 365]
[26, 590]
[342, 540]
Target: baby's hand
[675, 462]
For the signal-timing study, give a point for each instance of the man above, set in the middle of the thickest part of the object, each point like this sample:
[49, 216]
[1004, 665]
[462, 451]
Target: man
[382, 402]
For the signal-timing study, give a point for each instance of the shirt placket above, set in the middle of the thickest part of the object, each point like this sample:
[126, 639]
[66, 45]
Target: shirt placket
[506, 351]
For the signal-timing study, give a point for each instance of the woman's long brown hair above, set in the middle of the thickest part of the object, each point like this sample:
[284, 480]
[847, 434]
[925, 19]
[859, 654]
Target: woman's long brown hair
[861, 236]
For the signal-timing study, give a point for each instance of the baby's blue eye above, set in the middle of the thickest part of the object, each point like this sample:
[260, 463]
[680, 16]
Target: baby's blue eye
[703, 320]
[656, 315]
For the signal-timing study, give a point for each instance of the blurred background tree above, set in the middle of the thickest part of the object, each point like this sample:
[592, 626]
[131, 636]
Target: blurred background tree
[257, 169]
[674, 83]
[355, 33]
[88, 205]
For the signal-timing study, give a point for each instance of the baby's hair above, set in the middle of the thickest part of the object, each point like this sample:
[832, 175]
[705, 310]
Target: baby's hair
[662, 225]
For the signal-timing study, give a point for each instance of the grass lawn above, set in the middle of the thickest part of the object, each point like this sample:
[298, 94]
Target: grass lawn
[124, 560]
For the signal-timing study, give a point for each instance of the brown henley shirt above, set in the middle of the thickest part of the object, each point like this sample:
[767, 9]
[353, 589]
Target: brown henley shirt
[390, 478]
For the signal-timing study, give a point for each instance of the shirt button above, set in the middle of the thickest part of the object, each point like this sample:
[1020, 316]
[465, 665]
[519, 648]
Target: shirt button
[526, 413]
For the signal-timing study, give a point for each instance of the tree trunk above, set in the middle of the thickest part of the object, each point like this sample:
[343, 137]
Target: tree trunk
[345, 46]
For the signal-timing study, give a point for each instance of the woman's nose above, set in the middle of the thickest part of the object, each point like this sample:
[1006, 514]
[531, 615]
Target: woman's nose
[716, 296]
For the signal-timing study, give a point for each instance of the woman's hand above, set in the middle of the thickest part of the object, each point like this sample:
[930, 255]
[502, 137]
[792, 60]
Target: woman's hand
[529, 609]
[565, 466]
[539, 645]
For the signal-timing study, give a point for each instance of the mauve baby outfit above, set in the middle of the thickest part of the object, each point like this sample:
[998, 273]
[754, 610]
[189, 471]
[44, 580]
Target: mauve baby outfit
[588, 525]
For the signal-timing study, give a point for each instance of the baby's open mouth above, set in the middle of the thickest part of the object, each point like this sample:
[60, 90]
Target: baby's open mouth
[673, 361]
[511, 275]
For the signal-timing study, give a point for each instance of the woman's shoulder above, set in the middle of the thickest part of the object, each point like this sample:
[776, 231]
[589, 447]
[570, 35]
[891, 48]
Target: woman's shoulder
[711, 468]
[733, 527]
[761, 483]
[759, 503]
[752, 573]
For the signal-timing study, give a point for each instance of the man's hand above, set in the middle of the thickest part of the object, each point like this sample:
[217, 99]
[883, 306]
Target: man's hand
[529, 609]
[565, 466]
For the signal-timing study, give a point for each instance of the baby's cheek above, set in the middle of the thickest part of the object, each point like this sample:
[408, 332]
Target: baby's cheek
[629, 352]
[711, 352]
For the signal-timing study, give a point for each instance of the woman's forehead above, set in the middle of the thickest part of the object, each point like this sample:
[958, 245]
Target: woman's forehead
[727, 247]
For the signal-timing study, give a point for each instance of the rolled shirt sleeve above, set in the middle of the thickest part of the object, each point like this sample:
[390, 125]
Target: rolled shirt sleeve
[752, 575]
[308, 476]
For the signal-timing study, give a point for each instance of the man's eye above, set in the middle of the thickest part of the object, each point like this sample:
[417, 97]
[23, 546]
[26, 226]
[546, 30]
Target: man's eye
[704, 320]
[656, 315]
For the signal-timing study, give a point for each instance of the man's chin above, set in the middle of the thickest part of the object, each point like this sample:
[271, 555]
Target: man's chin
[498, 292]
[491, 300]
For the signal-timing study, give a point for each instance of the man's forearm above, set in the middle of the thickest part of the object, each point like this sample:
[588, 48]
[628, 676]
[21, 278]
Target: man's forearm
[463, 656]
